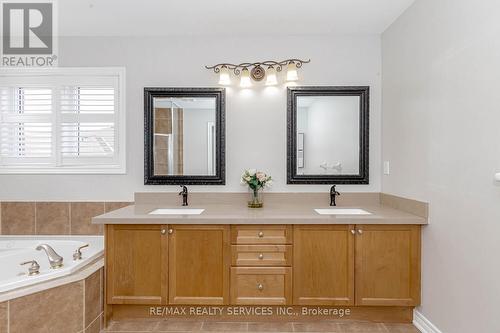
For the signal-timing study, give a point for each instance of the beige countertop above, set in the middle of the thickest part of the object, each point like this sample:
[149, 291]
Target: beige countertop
[273, 212]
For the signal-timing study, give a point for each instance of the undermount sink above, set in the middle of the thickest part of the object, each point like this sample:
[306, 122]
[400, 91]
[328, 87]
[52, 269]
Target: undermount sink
[342, 211]
[177, 211]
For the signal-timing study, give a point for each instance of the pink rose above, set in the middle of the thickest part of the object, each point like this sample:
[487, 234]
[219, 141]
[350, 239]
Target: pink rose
[261, 176]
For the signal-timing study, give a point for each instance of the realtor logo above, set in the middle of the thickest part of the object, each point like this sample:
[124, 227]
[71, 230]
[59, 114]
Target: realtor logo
[28, 29]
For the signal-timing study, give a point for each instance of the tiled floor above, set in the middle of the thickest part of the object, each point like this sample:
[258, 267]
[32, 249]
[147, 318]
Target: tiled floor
[234, 327]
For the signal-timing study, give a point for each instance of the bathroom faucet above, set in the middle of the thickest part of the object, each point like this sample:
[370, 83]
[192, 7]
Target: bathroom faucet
[184, 194]
[55, 260]
[333, 196]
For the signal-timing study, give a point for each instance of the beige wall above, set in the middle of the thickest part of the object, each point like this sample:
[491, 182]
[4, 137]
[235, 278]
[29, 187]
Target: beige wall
[441, 133]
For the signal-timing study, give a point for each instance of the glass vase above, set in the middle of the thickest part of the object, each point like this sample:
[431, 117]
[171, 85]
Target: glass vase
[255, 199]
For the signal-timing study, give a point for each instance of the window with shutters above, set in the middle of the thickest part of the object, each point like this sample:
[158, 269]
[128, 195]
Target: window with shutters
[62, 120]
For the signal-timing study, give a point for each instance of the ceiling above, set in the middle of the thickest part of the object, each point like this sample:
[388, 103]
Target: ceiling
[226, 17]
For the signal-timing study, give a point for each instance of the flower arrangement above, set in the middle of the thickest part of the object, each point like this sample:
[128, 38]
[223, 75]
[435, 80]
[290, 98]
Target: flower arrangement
[256, 181]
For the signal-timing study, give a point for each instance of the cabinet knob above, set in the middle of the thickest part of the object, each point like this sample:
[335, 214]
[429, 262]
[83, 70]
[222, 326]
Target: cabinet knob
[261, 256]
[170, 231]
[163, 231]
[360, 231]
[353, 231]
[260, 286]
[261, 234]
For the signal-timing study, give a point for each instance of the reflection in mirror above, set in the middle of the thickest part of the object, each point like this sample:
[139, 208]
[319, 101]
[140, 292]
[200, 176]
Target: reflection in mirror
[184, 136]
[327, 135]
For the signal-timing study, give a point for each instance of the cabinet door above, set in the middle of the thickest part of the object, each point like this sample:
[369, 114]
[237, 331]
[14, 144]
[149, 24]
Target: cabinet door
[323, 265]
[388, 265]
[136, 264]
[199, 259]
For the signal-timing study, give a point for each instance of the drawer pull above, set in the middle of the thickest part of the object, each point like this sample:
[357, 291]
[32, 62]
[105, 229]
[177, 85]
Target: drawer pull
[261, 234]
[353, 231]
[261, 256]
[260, 286]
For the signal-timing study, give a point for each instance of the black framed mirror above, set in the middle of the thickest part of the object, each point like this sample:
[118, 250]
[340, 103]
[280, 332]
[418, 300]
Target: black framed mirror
[184, 136]
[328, 135]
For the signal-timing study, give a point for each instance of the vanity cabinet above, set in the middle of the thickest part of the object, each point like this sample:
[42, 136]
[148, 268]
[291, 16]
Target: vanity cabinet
[136, 264]
[261, 272]
[362, 266]
[323, 265]
[199, 261]
[387, 265]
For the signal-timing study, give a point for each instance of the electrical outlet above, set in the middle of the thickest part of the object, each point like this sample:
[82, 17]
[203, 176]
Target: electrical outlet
[387, 168]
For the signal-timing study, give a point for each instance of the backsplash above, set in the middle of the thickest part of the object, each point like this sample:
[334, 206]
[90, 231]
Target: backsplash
[53, 218]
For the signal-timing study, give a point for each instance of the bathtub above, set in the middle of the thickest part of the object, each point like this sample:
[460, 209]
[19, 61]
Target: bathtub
[17, 249]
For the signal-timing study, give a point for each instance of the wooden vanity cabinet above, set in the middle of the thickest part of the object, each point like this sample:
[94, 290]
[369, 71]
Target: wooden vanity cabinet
[261, 260]
[316, 265]
[387, 265]
[323, 265]
[199, 261]
[136, 264]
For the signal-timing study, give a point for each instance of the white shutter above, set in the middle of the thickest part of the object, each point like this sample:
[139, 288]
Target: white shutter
[87, 126]
[62, 121]
[26, 125]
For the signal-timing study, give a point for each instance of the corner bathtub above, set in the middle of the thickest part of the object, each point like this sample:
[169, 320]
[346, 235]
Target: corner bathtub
[17, 249]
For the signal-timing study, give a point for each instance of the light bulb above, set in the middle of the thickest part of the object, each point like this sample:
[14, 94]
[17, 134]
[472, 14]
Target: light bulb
[291, 72]
[224, 77]
[245, 81]
[271, 76]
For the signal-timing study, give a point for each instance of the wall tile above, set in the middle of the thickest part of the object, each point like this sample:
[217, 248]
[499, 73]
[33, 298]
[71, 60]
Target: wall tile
[92, 297]
[52, 218]
[18, 218]
[57, 310]
[111, 206]
[81, 216]
[4, 317]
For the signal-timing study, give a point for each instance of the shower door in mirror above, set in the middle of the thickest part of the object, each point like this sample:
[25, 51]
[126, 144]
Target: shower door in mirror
[184, 136]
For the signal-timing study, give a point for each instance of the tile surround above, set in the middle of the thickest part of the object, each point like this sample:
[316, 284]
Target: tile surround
[4, 313]
[81, 216]
[93, 302]
[53, 218]
[57, 310]
[71, 308]
[18, 218]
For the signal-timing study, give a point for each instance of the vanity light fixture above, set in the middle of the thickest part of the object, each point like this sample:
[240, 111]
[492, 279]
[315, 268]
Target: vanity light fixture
[245, 81]
[271, 77]
[291, 72]
[224, 77]
[255, 71]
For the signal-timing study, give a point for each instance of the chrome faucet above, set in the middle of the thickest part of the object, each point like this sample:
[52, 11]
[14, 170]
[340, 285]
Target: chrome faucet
[55, 260]
[333, 196]
[184, 194]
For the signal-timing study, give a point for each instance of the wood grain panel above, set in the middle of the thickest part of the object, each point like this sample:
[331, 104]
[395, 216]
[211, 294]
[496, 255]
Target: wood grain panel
[261, 285]
[136, 264]
[199, 257]
[261, 234]
[388, 265]
[261, 255]
[323, 265]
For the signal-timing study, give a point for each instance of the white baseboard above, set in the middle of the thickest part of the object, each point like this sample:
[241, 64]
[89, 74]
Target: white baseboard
[423, 324]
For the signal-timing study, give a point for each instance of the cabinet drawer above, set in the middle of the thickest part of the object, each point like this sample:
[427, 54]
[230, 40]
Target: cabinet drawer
[265, 234]
[261, 285]
[261, 255]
